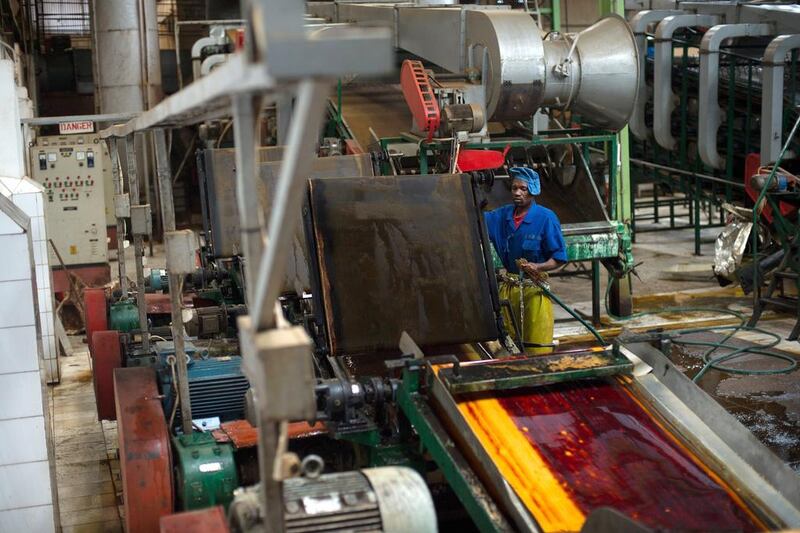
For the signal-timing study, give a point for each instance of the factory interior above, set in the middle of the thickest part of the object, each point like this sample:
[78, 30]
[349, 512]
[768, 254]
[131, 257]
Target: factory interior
[405, 266]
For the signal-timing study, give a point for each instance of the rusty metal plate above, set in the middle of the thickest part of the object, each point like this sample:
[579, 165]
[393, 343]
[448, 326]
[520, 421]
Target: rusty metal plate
[574, 203]
[400, 254]
[106, 356]
[144, 449]
[204, 521]
[223, 212]
[242, 434]
[161, 304]
[96, 312]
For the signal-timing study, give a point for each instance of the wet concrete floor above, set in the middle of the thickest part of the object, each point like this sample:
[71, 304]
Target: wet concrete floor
[767, 405]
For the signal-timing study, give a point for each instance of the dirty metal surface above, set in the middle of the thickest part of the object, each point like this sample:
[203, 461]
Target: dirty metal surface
[400, 254]
[160, 304]
[575, 203]
[514, 373]
[91, 275]
[568, 449]
[95, 307]
[223, 211]
[242, 434]
[144, 449]
[106, 355]
[203, 521]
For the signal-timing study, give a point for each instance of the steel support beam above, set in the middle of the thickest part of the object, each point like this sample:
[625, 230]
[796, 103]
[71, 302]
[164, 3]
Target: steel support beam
[297, 160]
[116, 177]
[103, 118]
[175, 281]
[620, 301]
[246, 112]
[138, 250]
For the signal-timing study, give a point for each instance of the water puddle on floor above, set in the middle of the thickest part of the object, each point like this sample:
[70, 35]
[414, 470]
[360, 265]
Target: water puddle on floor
[767, 405]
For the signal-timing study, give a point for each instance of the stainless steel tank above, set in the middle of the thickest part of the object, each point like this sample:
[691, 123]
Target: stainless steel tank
[126, 55]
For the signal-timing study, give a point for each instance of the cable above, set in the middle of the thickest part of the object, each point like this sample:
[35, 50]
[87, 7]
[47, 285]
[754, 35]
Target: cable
[735, 352]
[541, 284]
[574, 314]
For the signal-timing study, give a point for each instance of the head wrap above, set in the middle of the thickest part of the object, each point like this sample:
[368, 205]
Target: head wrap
[529, 176]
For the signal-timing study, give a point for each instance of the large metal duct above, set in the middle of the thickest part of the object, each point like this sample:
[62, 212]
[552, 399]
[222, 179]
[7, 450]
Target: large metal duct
[595, 72]
[709, 111]
[772, 95]
[126, 55]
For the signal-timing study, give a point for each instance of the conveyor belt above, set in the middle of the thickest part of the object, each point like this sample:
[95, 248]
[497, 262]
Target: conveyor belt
[569, 449]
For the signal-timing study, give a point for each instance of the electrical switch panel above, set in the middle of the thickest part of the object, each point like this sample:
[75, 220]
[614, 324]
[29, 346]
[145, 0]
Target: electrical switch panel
[71, 170]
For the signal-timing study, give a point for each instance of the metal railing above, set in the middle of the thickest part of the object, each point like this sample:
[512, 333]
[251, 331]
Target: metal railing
[692, 188]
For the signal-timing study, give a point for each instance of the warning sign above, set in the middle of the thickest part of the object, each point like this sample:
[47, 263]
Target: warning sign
[78, 126]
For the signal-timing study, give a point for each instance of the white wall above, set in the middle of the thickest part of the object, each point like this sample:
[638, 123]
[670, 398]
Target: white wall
[29, 197]
[26, 471]
[12, 149]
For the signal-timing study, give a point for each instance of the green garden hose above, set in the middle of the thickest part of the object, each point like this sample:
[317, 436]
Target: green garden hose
[716, 362]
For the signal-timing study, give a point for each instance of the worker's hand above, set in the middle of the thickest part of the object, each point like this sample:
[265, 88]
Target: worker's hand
[530, 269]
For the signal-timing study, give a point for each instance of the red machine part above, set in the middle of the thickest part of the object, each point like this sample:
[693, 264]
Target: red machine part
[92, 276]
[243, 435]
[471, 160]
[96, 319]
[106, 356]
[203, 521]
[157, 303]
[751, 165]
[419, 96]
[144, 450]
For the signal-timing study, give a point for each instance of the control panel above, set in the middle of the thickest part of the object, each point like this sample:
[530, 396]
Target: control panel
[71, 170]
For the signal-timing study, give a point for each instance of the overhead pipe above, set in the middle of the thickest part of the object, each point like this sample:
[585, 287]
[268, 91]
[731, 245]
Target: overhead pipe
[772, 95]
[639, 24]
[663, 98]
[709, 111]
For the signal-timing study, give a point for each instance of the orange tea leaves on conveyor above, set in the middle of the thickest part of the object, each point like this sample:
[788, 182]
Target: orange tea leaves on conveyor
[569, 449]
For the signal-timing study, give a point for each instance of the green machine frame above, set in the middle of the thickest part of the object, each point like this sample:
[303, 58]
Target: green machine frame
[611, 241]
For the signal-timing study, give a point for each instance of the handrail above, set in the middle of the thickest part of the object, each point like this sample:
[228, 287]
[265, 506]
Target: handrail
[761, 195]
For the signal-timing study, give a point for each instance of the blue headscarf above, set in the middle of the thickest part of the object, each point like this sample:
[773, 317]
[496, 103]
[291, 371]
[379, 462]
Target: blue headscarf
[529, 176]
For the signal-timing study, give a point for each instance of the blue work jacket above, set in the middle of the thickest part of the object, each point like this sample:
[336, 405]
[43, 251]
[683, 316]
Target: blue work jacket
[537, 239]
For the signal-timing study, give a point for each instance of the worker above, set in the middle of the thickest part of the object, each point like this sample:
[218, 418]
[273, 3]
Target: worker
[527, 237]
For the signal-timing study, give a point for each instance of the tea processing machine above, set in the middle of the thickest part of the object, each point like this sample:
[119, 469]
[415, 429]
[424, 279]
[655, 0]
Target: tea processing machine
[383, 391]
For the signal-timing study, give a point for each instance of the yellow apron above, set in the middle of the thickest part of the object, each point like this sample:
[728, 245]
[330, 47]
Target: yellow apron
[538, 320]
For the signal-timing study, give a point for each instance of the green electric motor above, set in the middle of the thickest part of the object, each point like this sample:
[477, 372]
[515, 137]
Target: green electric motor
[205, 472]
[124, 316]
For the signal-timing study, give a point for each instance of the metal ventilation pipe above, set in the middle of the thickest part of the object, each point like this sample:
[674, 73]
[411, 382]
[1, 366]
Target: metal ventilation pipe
[126, 55]
[772, 95]
[639, 24]
[709, 111]
[663, 99]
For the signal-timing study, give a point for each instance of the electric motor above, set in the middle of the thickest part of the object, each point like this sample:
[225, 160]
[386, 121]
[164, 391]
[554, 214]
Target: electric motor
[390, 499]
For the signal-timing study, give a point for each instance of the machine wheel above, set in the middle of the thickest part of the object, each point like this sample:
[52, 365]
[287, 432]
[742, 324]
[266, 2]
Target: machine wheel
[95, 309]
[144, 450]
[106, 356]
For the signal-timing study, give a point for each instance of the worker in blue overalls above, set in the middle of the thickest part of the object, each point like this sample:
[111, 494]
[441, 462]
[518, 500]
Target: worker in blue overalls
[527, 237]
